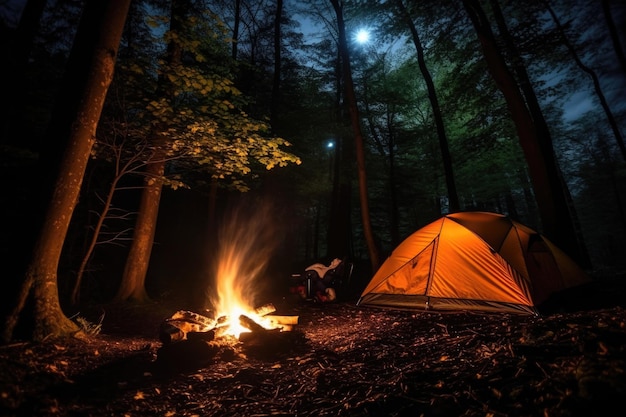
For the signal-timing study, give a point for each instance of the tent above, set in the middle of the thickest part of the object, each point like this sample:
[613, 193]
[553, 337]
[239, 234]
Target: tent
[472, 261]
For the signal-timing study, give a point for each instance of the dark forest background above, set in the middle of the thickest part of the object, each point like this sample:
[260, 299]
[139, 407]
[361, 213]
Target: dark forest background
[254, 121]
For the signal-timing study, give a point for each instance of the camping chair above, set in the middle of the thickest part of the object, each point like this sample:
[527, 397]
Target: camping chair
[337, 278]
[340, 276]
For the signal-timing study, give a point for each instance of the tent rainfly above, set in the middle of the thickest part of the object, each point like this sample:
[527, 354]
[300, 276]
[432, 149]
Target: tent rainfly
[472, 261]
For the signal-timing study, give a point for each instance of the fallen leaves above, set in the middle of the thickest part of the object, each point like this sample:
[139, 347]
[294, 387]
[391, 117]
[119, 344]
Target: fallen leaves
[352, 362]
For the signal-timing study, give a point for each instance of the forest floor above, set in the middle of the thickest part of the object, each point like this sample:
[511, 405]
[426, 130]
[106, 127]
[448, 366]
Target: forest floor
[339, 360]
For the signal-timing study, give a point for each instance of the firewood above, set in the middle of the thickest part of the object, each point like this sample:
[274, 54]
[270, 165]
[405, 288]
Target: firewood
[204, 336]
[271, 344]
[282, 319]
[170, 333]
[190, 316]
[250, 324]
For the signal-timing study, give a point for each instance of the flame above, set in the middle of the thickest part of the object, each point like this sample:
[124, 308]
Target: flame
[246, 244]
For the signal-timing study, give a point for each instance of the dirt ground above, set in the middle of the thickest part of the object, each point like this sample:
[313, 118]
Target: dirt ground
[339, 360]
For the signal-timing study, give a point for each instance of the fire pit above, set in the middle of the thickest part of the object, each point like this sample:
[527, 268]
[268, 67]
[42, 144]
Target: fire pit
[232, 325]
[193, 340]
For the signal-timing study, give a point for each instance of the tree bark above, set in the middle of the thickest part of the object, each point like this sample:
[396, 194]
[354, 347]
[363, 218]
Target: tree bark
[103, 23]
[132, 286]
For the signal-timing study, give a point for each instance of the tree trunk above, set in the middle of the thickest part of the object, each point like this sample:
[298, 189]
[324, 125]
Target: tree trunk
[387, 151]
[132, 286]
[542, 167]
[567, 228]
[358, 138]
[453, 196]
[339, 233]
[102, 23]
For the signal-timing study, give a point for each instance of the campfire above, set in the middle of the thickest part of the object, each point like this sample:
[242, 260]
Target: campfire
[184, 325]
[192, 340]
[246, 245]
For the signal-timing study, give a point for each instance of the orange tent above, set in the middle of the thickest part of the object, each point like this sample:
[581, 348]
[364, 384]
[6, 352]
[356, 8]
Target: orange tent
[472, 261]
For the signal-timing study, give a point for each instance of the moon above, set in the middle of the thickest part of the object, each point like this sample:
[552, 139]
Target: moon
[362, 36]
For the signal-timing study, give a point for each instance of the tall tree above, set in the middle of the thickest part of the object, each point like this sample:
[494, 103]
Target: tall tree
[350, 97]
[543, 133]
[341, 155]
[389, 95]
[94, 54]
[384, 138]
[436, 109]
[132, 285]
[553, 206]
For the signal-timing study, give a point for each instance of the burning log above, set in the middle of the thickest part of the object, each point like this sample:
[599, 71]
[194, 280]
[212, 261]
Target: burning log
[191, 317]
[191, 340]
[185, 325]
[181, 323]
[258, 335]
[250, 324]
[289, 320]
[285, 323]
